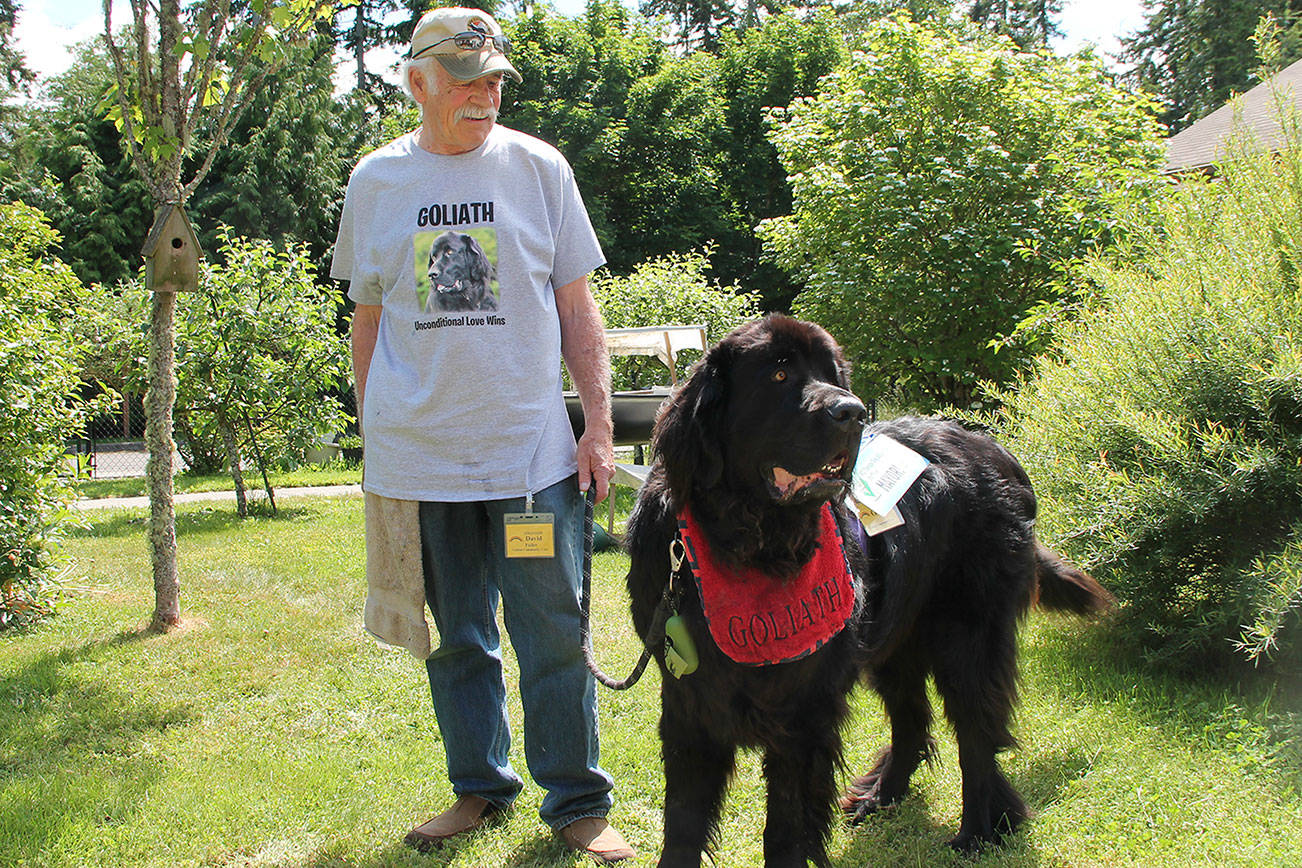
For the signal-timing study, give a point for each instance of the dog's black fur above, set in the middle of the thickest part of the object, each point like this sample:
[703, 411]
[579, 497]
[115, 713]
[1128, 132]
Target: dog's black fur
[939, 596]
[460, 275]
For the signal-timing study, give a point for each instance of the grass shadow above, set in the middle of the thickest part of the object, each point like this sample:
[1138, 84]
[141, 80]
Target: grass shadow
[71, 748]
[540, 851]
[1256, 714]
[200, 521]
[907, 834]
[1045, 781]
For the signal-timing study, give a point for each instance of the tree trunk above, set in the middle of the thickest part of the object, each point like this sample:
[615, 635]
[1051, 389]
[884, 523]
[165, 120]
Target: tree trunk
[359, 45]
[262, 464]
[159, 401]
[237, 471]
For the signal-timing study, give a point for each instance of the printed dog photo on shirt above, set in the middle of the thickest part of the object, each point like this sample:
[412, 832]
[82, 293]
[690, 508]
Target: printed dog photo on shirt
[456, 270]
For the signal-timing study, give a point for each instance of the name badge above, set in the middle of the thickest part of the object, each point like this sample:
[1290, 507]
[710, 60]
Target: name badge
[885, 470]
[530, 535]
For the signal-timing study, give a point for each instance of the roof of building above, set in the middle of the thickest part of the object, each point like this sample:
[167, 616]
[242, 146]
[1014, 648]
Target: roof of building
[1204, 142]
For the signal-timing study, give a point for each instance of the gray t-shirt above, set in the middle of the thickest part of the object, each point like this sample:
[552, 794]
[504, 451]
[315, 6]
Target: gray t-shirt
[464, 252]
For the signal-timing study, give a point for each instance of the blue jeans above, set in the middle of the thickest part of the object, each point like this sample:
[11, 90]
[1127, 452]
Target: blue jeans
[466, 572]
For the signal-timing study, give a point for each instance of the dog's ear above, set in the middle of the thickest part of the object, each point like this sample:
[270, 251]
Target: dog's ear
[689, 428]
[481, 270]
[842, 369]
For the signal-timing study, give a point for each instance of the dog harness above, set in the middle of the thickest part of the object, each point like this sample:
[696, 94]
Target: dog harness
[758, 619]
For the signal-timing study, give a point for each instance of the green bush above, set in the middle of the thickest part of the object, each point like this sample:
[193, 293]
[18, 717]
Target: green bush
[669, 290]
[943, 187]
[40, 355]
[1166, 435]
[258, 361]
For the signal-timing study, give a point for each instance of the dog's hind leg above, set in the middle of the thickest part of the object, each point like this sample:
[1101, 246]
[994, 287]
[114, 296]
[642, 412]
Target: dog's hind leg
[976, 675]
[696, 776]
[901, 681]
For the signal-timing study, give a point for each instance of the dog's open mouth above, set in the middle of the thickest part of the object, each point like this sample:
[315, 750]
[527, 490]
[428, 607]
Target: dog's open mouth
[448, 288]
[787, 484]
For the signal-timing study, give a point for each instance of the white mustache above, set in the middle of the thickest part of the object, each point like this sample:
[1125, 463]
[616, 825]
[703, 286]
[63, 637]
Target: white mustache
[475, 114]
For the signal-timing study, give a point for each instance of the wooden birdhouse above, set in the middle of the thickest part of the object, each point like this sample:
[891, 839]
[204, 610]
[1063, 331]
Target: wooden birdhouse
[171, 252]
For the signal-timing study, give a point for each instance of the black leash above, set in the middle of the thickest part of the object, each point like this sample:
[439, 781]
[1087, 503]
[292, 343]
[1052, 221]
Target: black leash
[656, 634]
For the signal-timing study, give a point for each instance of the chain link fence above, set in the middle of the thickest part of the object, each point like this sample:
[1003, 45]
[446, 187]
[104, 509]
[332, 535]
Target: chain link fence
[114, 443]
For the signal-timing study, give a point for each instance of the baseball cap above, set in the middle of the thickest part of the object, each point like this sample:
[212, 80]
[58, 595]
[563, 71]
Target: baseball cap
[446, 33]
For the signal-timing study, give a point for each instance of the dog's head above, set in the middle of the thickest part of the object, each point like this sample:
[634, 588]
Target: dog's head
[459, 272]
[768, 412]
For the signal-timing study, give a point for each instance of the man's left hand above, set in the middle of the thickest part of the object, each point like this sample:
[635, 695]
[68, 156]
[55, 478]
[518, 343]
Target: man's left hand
[596, 461]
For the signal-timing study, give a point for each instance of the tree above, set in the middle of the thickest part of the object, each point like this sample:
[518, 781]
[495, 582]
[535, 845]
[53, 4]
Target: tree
[178, 74]
[40, 353]
[365, 30]
[1165, 433]
[671, 152]
[700, 23]
[764, 67]
[1029, 23]
[67, 160]
[578, 73]
[670, 290]
[13, 66]
[282, 173]
[1195, 54]
[257, 359]
[940, 189]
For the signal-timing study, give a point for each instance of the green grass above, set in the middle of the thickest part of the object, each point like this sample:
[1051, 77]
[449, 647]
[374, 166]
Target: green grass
[334, 473]
[269, 730]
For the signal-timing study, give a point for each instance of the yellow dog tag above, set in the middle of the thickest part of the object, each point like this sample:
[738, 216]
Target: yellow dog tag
[530, 535]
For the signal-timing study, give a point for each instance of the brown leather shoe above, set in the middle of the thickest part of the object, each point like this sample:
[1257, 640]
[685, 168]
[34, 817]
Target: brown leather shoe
[596, 838]
[466, 814]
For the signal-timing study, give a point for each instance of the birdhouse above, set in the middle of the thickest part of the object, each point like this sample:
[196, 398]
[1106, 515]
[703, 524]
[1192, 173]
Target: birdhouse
[171, 252]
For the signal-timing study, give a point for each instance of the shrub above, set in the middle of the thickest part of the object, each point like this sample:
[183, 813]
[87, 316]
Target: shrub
[258, 359]
[669, 290]
[40, 355]
[1166, 436]
[941, 186]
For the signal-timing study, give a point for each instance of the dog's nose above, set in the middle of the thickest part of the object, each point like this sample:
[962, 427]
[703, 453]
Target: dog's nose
[847, 411]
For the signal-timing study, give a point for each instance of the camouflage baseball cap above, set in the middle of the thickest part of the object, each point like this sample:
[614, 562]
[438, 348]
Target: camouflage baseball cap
[468, 42]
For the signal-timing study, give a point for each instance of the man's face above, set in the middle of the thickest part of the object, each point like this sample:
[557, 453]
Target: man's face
[456, 115]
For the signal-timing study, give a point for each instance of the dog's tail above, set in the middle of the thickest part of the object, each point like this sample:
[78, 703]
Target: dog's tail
[1065, 588]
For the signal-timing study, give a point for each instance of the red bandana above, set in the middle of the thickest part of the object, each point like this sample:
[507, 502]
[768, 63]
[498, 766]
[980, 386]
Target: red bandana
[757, 619]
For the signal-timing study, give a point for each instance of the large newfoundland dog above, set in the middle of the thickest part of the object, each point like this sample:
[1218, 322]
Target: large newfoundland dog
[460, 274]
[788, 603]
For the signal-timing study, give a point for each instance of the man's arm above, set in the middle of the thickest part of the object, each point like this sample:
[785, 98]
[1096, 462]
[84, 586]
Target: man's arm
[583, 346]
[366, 328]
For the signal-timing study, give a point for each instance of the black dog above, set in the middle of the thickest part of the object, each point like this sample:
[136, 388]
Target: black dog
[754, 454]
[460, 275]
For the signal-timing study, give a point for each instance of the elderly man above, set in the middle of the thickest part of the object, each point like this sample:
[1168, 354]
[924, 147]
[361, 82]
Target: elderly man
[458, 378]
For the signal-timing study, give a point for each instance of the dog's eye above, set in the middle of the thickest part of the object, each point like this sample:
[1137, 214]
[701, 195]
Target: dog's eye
[780, 375]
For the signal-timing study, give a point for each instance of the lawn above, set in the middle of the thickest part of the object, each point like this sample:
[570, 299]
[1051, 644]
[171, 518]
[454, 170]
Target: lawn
[334, 473]
[269, 730]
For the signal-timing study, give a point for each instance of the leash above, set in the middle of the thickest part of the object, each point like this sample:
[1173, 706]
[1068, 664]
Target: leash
[655, 635]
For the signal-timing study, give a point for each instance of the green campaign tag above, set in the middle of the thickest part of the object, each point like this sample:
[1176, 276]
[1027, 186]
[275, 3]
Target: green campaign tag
[680, 650]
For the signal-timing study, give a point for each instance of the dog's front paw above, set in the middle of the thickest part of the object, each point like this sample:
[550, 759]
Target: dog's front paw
[679, 857]
[992, 826]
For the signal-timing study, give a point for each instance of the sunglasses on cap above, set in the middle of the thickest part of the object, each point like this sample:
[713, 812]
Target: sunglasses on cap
[470, 40]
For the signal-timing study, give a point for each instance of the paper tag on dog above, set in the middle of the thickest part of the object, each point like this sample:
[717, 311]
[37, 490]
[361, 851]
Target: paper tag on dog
[530, 535]
[883, 472]
[873, 523]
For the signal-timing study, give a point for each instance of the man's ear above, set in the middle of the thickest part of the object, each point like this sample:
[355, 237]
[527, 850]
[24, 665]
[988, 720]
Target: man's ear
[419, 84]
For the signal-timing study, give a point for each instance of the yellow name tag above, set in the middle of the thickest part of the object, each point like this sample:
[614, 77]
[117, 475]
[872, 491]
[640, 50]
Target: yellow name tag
[531, 535]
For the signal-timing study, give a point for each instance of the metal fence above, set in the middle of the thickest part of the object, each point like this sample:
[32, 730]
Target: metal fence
[113, 445]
